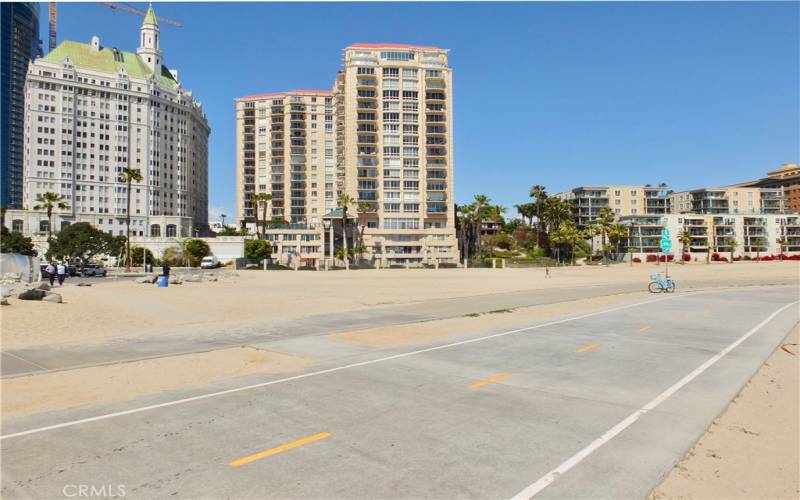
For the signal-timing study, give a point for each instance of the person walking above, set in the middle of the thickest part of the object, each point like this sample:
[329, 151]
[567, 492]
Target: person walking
[61, 270]
[165, 269]
[51, 273]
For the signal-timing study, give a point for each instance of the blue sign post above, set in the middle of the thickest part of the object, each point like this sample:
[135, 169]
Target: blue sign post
[666, 245]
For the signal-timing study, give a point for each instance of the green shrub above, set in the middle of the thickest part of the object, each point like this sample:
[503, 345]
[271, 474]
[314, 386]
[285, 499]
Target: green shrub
[257, 249]
[194, 250]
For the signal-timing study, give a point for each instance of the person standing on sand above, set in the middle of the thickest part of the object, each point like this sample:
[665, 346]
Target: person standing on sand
[51, 272]
[61, 269]
[165, 269]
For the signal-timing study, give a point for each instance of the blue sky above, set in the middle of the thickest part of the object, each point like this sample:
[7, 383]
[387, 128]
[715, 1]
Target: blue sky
[559, 94]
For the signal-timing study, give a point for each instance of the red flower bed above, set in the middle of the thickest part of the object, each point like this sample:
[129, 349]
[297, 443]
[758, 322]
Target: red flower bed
[637, 260]
[652, 258]
[686, 257]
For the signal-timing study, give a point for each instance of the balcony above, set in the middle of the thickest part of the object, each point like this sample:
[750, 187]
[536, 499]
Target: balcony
[435, 96]
[437, 209]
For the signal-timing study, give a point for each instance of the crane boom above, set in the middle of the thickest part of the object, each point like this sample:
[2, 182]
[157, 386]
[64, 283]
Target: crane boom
[132, 10]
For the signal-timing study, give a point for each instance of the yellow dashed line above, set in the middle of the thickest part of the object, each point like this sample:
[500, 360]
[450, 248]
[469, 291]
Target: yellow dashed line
[280, 449]
[587, 347]
[490, 380]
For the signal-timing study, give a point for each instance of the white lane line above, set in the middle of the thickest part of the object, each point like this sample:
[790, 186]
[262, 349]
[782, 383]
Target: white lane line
[575, 459]
[323, 372]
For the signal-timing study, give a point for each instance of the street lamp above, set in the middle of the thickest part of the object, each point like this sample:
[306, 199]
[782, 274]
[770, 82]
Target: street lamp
[328, 225]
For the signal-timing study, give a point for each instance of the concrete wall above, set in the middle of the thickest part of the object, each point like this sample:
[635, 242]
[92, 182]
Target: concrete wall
[225, 248]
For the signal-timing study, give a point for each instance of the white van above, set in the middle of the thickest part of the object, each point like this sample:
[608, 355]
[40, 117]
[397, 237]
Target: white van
[209, 262]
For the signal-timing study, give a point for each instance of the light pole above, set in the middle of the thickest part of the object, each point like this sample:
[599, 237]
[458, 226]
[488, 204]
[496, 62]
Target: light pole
[328, 225]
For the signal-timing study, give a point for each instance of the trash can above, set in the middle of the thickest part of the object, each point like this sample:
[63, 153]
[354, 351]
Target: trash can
[163, 281]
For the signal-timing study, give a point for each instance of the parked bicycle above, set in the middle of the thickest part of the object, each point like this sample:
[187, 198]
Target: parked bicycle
[659, 284]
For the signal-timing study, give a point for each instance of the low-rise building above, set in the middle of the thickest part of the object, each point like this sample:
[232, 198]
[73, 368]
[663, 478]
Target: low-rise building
[746, 234]
[623, 200]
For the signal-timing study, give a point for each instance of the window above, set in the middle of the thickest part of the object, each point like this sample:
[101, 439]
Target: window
[409, 73]
[155, 230]
[43, 226]
[396, 55]
[401, 223]
[16, 225]
[391, 72]
[171, 231]
[365, 71]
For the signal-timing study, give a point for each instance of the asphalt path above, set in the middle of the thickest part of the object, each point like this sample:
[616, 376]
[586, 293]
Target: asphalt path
[599, 404]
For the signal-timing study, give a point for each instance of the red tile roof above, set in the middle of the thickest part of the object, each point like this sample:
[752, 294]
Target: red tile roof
[392, 46]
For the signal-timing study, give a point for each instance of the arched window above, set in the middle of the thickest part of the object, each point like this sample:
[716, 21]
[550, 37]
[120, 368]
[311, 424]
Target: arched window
[155, 230]
[17, 225]
[171, 231]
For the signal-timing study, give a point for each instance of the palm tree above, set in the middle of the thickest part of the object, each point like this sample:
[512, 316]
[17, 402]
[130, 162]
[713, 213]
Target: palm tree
[48, 201]
[466, 226]
[481, 212]
[758, 243]
[782, 243]
[605, 218]
[684, 238]
[567, 234]
[343, 201]
[128, 176]
[364, 207]
[222, 216]
[527, 210]
[556, 212]
[539, 195]
[262, 199]
[732, 244]
[617, 233]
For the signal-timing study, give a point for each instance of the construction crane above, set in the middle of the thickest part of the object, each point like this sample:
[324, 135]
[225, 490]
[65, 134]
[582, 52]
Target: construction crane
[53, 9]
[131, 10]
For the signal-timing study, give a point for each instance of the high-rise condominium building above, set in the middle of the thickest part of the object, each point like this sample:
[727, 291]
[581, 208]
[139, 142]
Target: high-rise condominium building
[286, 148]
[383, 137]
[395, 138]
[92, 111]
[19, 44]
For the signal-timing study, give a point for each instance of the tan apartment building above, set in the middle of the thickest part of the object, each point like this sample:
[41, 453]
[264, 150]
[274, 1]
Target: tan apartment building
[383, 136]
[623, 200]
[787, 177]
[286, 147]
[729, 200]
[395, 144]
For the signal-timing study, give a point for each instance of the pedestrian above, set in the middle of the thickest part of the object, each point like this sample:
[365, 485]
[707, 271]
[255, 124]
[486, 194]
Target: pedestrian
[61, 270]
[546, 271]
[51, 273]
[165, 269]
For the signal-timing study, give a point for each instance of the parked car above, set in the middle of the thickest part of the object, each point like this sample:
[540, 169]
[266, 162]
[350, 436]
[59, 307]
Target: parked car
[209, 262]
[94, 270]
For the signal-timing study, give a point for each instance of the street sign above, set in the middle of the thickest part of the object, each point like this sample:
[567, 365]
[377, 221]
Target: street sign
[666, 245]
[664, 233]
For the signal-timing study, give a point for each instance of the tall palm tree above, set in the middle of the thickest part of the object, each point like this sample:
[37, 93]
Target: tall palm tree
[48, 201]
[684, 238]
[343, 201]
[526, 210]
[481, 213]
[539, 195]
[262, 199]
[364, 207]
[222, 216]
[129, 176]
[468, 233]
[605, 218]
[616, 233]
[555, 212]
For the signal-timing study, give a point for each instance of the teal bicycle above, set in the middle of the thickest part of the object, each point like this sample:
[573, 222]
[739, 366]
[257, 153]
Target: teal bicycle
[660, 285]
